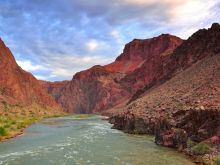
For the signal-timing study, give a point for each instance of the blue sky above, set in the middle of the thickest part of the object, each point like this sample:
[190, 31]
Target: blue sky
[54, 39]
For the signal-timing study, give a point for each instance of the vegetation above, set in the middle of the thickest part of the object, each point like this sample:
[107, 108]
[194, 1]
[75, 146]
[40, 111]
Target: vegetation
[82, 116]
[201, 149]
[190, 143]
[15, 118]
[10, 126]
[6, 106]
[218, 160]
[137, 132]
[2, 131]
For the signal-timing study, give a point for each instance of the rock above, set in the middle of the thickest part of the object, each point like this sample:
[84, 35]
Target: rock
[18, 87]
[168, 136]
[200, 124]
[130, 123]
[202, 107]
[53, 88]
[213, 141]
[184, 92]
[103, 87]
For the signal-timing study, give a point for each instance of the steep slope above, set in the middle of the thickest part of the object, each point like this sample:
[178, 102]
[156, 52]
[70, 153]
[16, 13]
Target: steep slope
[186, 103]
[148, 74]
[53, 88]
[18, 86]
[196, 88]
[203, 43]
[102, 87]
[186, 108]
[22, 99]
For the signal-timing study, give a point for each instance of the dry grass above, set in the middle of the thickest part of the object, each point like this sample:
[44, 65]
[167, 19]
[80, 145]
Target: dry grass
[15, 118]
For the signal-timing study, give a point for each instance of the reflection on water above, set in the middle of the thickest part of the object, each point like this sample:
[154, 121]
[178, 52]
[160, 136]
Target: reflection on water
[86, 140]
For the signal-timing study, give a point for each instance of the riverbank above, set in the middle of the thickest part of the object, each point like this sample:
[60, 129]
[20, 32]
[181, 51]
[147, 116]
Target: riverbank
[84, 139]
[15, 119]
[166, 132]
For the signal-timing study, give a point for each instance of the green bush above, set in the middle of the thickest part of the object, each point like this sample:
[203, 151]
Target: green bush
[200, 149]
[218, 160]
[190, 143]
[21, 125]
[2, 131]
[13, 122]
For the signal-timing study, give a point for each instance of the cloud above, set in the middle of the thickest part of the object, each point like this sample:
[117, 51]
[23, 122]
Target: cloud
[92, 45]
[63, 67]
[40, 77]
[115, 34]
[29, 66]
[190, 16]
[55, 39]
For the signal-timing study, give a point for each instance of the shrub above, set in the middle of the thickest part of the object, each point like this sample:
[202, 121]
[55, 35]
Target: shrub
[218, 160]
[190, 143]
[21, 125]
[137, 132]
[2, 131]
[200, 149]
[6, 106]
[13, 122]
[7, 125]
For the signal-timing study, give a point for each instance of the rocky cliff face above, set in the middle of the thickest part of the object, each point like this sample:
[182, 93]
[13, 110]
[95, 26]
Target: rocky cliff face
[92, 90]
[146, 49]
[148, 74]
[102, 87]
[186, 102]
[53, 88]
[18, 87]
[201, 44]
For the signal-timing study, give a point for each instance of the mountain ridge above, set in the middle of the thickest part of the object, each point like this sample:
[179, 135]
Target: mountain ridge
[100, 87]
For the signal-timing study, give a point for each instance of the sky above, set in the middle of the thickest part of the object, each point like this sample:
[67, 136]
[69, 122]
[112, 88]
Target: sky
[54, 39]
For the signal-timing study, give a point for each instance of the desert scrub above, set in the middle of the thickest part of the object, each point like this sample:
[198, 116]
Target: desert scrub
[218, 160]
[190, 143]
[3, 131]
[138, 132]
[201, 149]
[82, 116]
[5, 105]
[26, 122]
[15, 118]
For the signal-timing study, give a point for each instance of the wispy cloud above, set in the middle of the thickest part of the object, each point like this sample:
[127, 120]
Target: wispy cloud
[29, 66]
[92, 45]
[55, 39]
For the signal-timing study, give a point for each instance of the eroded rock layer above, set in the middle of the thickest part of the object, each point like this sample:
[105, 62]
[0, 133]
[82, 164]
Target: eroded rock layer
[103, 87]
[187, 103]
[18, 87]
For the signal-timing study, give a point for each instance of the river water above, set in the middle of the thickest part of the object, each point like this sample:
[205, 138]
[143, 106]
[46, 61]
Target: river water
[88, 141]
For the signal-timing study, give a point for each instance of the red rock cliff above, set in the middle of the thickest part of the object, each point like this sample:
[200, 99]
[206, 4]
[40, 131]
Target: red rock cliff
[186, 103]
[102, 87]
[18, 86]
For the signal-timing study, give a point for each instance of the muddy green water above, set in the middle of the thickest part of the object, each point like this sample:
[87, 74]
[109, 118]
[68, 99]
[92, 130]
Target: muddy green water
[71, 140]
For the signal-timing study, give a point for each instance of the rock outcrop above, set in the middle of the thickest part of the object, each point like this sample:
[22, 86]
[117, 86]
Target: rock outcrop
[53, 88]
[103, 87]
[154, 52]
[186, 101]
[18, 87]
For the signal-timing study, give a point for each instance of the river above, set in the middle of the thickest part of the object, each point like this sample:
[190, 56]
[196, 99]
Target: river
[84, 141]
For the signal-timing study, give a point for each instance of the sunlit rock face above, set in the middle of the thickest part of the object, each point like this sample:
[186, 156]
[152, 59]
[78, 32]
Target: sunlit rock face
[185, 103]
[103, 87]
[18, 87]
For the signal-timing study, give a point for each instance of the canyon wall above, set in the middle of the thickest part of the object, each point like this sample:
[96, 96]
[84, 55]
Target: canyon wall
[103, 87]
[18, 87]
